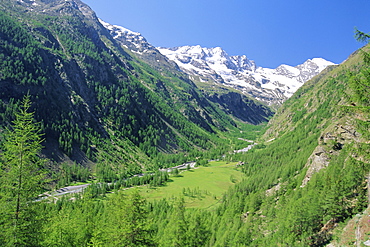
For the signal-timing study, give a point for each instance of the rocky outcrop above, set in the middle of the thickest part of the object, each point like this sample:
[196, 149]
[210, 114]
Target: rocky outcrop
[318, 160]
[241, 107]
[330, 143]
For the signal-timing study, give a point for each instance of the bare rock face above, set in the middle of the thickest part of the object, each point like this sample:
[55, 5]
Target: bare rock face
[317, 161]
[241, 107]
[330, 143]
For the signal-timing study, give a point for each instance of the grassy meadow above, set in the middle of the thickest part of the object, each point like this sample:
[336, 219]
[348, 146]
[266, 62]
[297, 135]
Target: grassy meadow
[201, 187]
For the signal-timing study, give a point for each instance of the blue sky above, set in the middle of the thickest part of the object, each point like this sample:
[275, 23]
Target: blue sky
[270, 32]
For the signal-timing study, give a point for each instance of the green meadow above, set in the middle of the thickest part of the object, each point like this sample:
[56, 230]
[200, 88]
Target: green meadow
[201, 187]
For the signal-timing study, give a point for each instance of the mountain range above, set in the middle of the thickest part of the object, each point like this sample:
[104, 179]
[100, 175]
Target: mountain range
[214, 65]
[314, 151]
[234, 102]
[272, 86]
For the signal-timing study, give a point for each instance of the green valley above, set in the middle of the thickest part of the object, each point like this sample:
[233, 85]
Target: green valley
[80, 108]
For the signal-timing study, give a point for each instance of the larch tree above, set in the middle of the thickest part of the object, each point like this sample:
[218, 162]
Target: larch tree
[21, 179]
[361, 82]
[177, 227]
[126, 222]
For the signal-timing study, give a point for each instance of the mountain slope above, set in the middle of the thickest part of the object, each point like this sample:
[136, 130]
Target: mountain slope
[271, 86]
[311, 172]
[232, 102]
[96, 100]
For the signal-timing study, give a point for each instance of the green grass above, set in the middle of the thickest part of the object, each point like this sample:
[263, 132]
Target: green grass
[202, 187]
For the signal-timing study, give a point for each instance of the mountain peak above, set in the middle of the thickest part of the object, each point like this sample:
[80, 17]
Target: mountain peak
[272, 86]
[320, 62]
[120, 31]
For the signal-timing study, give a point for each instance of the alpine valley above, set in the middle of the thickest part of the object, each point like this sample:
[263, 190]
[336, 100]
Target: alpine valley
[106, 140]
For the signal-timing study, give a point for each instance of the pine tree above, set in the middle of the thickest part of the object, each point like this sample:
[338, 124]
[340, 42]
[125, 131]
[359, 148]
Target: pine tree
[21, 179]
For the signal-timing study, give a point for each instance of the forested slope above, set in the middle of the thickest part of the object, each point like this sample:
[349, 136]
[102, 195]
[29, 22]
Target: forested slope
[97, 102]
[311, 172]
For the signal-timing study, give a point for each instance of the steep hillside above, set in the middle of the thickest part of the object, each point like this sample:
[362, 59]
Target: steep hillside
[241, 107]
[311, 172]
[96, 100]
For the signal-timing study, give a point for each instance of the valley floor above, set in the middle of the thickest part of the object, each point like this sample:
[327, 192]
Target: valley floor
[202, 187]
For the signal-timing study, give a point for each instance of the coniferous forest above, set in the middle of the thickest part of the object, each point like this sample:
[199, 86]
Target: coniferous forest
[79, 109]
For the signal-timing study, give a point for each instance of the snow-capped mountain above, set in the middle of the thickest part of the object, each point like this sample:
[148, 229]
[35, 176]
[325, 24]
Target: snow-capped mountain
[133, 40]
[137, 44]
[272, 86]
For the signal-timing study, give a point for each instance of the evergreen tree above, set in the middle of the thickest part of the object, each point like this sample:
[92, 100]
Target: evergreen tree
[361, 82]
[176, 229]
[197, 232]
[21, 179]
[126, 222]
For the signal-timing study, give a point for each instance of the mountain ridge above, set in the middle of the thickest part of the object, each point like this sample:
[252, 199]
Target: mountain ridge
[242, 107]
[272, 86]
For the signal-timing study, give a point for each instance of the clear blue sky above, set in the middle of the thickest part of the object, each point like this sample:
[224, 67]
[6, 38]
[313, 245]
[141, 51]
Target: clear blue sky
[270, 32]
